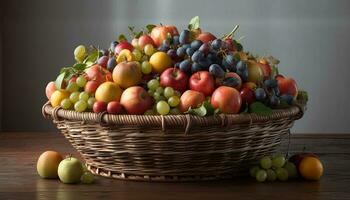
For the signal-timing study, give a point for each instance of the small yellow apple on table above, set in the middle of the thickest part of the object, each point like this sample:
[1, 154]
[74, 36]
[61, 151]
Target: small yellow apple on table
[47, 164]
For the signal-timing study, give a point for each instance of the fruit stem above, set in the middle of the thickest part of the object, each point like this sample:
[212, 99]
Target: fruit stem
[232, 32]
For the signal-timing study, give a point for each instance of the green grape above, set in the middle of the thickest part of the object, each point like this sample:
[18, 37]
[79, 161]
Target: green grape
[168, 92]
[278, 161]
[81, 81]
[80, 106]
[156, 96]
[261, 175]
[253, 171]
[79, 52]
[74, 97]
[148, 49]
[174, 101]
[91, 102]
[146, 67]
[149, 112]
[153, 84]
[265, 162]
[144, 58]
[163, 108]
[137, 54]
[271, 175]
[151, 92]
[87, 178]
[84, 96]
[162, 98]
[72, 87]
[160, 90]
[66, 104]
[282, 174]
[175, 111]
[291, 169]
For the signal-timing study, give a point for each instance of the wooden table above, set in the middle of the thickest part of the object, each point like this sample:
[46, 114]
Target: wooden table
[19, 180]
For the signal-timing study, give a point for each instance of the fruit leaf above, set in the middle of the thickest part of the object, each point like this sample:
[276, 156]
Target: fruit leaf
[303, 96]
[150, 27]
[260, 109]
[201, 111]
[133, 33]
[59, 80]
[92, 57]
[274, 72]
[283, 104]
[122, 38]
[194, 23]
[209, 108]
[80, 66]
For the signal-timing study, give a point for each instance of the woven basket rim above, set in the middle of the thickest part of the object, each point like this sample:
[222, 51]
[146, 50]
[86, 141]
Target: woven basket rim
[186, 120]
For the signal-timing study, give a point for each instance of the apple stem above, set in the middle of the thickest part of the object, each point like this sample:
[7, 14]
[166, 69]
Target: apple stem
[231, 33]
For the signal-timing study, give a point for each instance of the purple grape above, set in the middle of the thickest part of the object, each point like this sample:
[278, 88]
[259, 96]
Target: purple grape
[216, 71]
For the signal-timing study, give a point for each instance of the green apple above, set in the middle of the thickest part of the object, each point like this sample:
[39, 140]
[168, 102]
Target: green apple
[70, 170]
[87, 178]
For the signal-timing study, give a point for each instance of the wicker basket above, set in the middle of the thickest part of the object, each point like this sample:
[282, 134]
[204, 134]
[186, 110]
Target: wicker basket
[174, 147]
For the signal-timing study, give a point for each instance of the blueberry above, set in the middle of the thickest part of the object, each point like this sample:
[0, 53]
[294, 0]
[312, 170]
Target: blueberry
[184, 37]
[216, 44]
[189, 51]
[181, 51]
[196, 44]
[196, 67]
[196, 56]
[216, 71]
[185, 66]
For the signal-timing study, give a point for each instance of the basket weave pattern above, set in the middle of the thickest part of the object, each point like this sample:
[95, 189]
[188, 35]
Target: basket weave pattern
[174, 147]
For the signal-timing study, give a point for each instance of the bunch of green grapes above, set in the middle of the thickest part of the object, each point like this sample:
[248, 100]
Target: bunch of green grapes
[79, 100]
[166, 99]
[142, 56]
[273, 168]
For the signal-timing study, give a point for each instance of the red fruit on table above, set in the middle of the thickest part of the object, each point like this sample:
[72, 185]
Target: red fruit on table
[114, 107]
[98, 73]
[99, 106]
[206, 37]
[160, 33]
[287, 86]
[136, 100]
[192, 99]
[121, 46]
[50, 88]
[91, 87]
[227, 99]
[144, 40]
[175, 78]
[247, 95]
[203, 82]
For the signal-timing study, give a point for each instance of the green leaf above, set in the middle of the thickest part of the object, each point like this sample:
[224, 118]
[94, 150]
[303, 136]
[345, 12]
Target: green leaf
[92, 57]
[274, 72]
[194, 23]
[303, 96]
[201, 111]
[122, 38]
[80, 66]
[209, 108]
[59, 80]
[283, 104]
[137, 35]
[260, 109]
[150, 27]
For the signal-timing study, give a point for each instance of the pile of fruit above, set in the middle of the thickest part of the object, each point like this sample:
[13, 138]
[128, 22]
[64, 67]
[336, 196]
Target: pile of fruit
[164, 71]
[304, 165]
[70, 170]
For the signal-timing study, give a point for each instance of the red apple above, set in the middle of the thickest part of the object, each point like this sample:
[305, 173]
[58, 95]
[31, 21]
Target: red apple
[192, 99]
[227, 99]
[98, 73]
[91, 87]
[247, 95]
[218, 81]
[136, 100]
[203, 82]
[206, 37]
[266, 69]
[99, 106]
[175, 78]
[287, 86]
[114, 107]
[121, 46]
[50, 88]
[102, 61]
[144, 40]
[160, 33]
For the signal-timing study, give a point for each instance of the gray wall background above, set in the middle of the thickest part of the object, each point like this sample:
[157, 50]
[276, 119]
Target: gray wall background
[311, 38]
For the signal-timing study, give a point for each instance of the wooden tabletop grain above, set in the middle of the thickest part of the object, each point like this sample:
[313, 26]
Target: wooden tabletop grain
[19, 180]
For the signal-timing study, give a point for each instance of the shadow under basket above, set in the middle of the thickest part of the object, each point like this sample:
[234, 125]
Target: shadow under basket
[172, 147]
